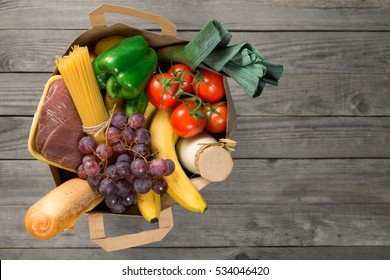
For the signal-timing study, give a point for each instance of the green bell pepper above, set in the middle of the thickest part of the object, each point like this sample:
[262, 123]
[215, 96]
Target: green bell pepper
[125, 69]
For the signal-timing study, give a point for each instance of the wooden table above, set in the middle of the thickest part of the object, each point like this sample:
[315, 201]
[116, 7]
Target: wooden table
[312, 165]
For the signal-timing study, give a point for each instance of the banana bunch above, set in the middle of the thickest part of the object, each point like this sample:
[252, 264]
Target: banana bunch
[180, 187]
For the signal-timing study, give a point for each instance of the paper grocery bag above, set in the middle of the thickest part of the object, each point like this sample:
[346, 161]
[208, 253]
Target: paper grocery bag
[99, 30]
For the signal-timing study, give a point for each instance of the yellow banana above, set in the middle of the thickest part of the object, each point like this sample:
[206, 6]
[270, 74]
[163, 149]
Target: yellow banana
[149, 205]
[163, 142]
[148, 114]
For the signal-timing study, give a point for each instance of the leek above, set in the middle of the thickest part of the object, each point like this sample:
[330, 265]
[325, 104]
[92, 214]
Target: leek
[201, 45]
[242, 62]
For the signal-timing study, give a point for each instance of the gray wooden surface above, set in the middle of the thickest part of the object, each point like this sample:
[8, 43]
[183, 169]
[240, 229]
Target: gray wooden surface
[312, 166]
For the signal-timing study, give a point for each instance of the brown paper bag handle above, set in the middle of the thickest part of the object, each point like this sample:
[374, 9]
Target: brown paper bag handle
[97, 17]
[109, 244]
[98, 235]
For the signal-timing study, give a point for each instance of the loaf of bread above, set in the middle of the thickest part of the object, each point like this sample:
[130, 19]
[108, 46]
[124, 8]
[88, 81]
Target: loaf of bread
[60, 209]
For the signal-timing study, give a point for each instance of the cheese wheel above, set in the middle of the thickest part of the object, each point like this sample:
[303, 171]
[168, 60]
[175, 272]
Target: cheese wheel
[214, 163]
[201, 155]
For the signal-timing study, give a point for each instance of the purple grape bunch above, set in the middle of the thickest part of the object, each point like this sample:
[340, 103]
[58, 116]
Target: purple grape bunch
[124, 165]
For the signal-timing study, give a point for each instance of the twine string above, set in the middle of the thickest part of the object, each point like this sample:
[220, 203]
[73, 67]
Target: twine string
[95, 130]
[226, 143]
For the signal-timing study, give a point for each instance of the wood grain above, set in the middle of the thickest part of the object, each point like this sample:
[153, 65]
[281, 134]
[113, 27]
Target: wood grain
[297, 95]
[260, 224]
[264, 137]
[312, 165]
[299, 181]
[212, 253]
[251, 15]
[299, 52]
[312, 137]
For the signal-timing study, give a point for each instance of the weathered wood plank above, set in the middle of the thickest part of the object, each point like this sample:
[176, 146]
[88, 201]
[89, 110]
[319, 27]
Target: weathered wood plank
[217, 253]
[31, 178]
[297, 95]
[299, 52]
[264, 137]
[308, 172]
[252, 181]
[235, 225]
[14, 135]
[312, 137]
[20, 92]
[319, 95]
[264, 15]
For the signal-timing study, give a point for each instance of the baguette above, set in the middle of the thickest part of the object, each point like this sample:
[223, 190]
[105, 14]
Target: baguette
[60, 209]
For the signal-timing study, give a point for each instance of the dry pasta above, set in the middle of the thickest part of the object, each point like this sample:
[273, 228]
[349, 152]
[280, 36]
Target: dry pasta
[77, 72]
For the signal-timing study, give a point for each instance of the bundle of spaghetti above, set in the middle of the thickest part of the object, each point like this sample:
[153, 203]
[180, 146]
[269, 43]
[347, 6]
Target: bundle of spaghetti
[79, 77]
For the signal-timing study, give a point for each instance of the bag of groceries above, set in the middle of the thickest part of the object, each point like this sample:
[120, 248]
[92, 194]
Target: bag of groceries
[132, 122]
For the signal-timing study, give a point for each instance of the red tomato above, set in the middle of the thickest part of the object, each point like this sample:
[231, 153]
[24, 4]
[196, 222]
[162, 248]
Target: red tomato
[160, 91]
[217, 117]
[208, 86]
[180, 70]
[187, 121]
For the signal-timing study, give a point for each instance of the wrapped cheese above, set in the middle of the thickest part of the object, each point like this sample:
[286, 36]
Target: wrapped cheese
[203, 155]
